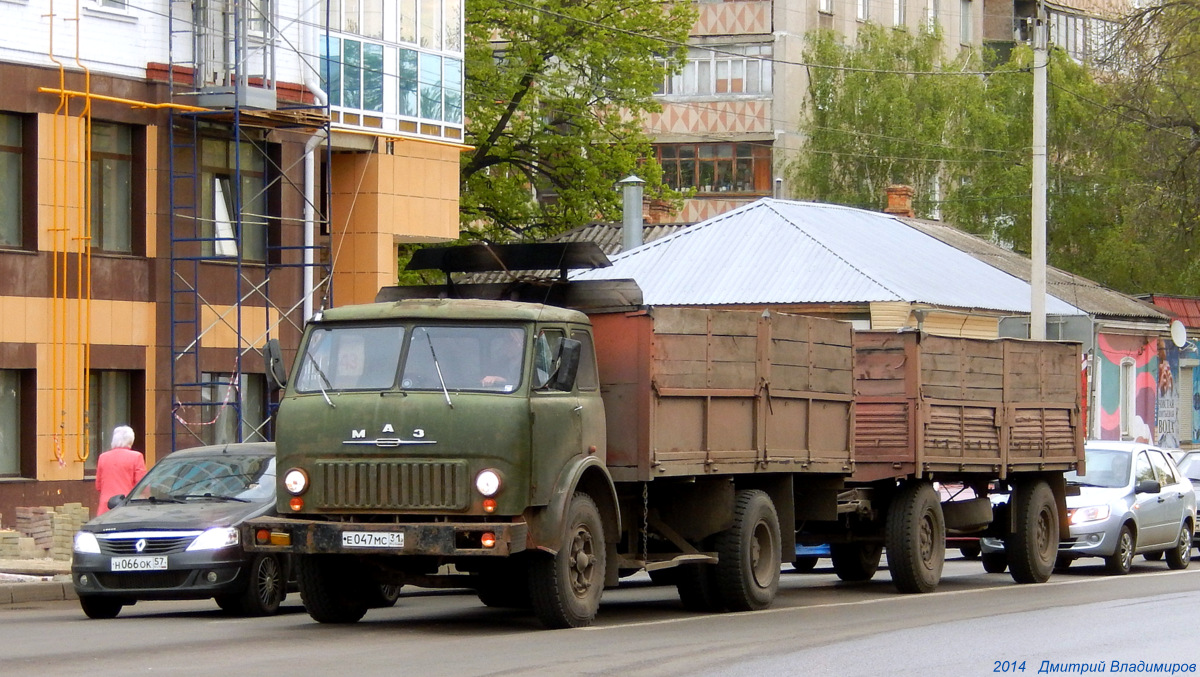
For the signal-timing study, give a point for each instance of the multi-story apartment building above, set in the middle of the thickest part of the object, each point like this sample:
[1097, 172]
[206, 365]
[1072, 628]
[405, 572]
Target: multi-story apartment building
[182, 180]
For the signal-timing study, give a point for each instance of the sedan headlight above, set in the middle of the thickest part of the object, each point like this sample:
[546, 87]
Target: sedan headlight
[295, 481]
[215, 539]
[1093, 513]
[488, 482]
[85, 541]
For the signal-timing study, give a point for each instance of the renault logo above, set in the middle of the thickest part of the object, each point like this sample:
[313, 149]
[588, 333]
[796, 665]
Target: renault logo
[140, 545]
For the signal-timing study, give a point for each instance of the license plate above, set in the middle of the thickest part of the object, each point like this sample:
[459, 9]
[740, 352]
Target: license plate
[154, 563]
[372, 539]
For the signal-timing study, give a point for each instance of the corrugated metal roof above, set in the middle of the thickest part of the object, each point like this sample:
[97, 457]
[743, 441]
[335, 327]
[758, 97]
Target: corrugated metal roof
[780, 251]
[1095, 299]
[1186, 309]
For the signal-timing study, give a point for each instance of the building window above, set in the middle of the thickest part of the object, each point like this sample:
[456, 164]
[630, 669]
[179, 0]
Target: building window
[361, 17]
[16, 429]
[825, 6]
[112, 187]
[110, 404]
[729, 69]
[965, 22]
[258, 17]
[898, 13]
[224, 399]
[114, 4]
[717, 167]
[931, 12]
[862, 10]
[221, 197]
[12, 175]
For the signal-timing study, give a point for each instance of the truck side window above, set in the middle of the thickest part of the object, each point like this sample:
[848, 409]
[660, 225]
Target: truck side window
[587, 378]
[545, 354]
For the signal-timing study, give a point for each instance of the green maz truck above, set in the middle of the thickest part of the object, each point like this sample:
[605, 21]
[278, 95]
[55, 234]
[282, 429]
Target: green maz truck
[538, 454]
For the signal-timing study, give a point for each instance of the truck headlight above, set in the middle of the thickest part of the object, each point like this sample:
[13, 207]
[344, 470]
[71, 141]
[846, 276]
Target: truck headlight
[487, 482]
[295, 481]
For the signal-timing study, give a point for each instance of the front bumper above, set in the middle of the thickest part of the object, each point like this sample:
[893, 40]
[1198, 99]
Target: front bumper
[189, 575]
[445, 539]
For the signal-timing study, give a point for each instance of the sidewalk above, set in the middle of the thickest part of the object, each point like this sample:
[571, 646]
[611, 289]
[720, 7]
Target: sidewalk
[35, 580]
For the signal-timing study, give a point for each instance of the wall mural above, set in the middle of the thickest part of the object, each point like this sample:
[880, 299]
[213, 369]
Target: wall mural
[1113, 349]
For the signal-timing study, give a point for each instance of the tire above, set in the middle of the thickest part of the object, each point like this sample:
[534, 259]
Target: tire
[1033, 547]
[1153, 556]
[505, 587]
[854, 562]
[1180, 556]
[995, 562]
[266, 586]
[697, 587]
[805, 564]
[748, 554]
[1121, 560]
[970, 551]
[383, 596]
[916, 538]
[332, 588]
[100, 607]
[565, 588]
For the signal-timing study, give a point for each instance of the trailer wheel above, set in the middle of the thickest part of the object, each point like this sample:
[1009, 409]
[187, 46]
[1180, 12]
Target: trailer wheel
[853, 562]
[697, 587]
[1034, 546]
[916, 538]
[565, 588]
[805, 564]
[748, 554]
[330, 588]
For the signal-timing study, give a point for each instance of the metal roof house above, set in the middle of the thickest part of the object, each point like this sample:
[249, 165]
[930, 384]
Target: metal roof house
[885, 272]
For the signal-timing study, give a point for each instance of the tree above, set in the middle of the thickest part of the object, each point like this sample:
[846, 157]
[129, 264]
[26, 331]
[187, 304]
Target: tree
[895, 109]
[555, 94]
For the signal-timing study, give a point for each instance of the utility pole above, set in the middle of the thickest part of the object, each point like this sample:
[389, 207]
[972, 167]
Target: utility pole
[1037, 276]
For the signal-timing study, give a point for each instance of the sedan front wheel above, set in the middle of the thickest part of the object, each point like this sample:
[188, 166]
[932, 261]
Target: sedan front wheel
[1122, 558]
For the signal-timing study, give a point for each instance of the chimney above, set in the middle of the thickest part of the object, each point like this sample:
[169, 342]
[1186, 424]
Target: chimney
[899, 201]
[631, 222]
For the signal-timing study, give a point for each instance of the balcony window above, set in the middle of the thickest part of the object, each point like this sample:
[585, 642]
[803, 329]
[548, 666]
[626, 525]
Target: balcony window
[728, 69]
[717, 167]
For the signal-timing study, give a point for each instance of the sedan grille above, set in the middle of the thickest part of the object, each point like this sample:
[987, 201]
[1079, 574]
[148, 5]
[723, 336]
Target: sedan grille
[391, 485]
[127, 544]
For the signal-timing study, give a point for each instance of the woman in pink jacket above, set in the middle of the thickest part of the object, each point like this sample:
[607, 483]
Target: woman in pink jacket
[119, 468]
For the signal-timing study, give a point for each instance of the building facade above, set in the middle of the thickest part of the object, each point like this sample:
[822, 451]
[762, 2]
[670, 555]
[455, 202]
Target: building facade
[182, 181]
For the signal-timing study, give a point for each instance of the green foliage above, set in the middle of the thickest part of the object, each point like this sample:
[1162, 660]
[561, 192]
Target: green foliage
[556, 90]
[962, 140]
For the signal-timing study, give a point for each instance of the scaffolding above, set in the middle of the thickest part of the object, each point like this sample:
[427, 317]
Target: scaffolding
[236, 263]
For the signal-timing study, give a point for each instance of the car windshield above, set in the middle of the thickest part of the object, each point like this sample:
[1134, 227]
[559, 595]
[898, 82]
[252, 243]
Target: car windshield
[233, 477]
[1105, 468]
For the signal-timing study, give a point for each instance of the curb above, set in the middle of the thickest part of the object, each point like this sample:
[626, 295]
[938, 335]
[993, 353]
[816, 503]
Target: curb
[37, 591]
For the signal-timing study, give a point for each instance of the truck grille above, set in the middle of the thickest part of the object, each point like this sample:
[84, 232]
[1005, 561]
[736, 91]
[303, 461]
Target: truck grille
[391, 485]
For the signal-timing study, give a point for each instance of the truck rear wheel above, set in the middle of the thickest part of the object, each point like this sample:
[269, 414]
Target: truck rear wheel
[916, 538]
[748, 554]
[330, 588]
[1034, 546]
[565, 588]
[854, 562]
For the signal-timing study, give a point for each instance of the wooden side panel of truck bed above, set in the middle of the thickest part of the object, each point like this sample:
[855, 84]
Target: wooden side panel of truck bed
[937, 404]
[692, 391]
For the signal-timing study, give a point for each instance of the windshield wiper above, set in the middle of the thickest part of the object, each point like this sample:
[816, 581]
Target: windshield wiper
[324, 379]
[438, 368]
[156, 499]
[179, 498]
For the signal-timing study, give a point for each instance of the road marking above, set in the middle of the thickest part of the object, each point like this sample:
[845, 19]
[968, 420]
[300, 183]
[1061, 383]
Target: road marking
[882, 600]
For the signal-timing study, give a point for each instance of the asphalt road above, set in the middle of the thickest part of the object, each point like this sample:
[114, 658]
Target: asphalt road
[818, 626]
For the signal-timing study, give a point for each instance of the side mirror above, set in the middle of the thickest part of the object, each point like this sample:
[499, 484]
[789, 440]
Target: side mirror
[1147, 487]
[114, 501]
[273, 358]
[569, 351]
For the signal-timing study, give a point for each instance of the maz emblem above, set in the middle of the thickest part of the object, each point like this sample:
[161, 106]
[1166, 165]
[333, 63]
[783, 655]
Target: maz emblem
[359, 436]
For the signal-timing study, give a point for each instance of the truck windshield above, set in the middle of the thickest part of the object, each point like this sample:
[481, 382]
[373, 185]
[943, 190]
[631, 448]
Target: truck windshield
[468, 358]
[350, 358]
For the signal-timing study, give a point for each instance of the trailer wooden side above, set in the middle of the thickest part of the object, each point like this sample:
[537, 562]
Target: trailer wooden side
[692, 391]
[930, 404]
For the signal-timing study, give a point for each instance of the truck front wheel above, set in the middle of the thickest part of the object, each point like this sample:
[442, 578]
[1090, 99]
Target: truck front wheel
[565, 588]
[1034, 546]
[330, 588]
[748, 554]
[916, 538]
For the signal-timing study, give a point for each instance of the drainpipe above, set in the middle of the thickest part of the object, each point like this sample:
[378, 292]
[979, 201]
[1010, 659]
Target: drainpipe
[631, 222]
[312, 81]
